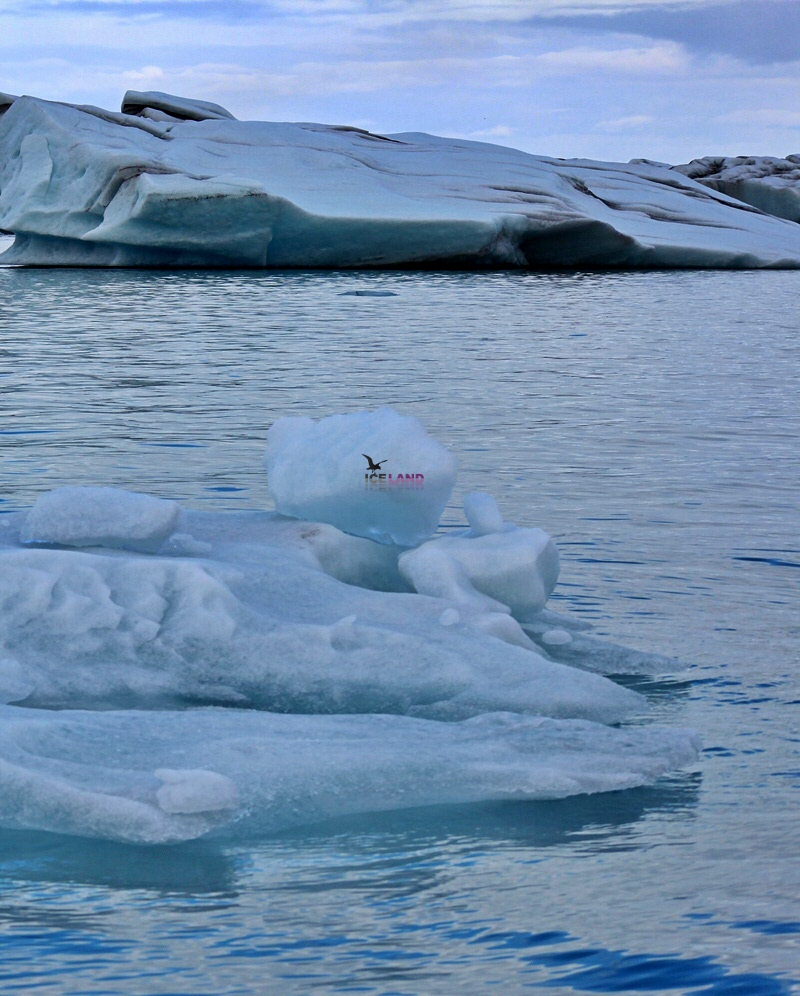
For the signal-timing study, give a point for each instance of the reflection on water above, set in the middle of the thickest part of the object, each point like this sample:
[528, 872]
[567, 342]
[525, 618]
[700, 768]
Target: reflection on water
[648, 421]
[196, 868]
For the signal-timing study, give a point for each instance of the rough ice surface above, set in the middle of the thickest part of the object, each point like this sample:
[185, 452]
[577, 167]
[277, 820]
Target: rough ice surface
[159, 777]
[765, 182]
[376, 474]
[363, 675]
[258, 623]
[109, 517]
[178, 182]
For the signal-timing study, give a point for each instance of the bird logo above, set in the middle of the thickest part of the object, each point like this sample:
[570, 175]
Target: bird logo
[373, 466]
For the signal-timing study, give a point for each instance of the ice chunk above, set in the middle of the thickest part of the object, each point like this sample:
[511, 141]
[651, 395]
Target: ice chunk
[81, 186]
[512, 571]
[376, 474]
[450, 617]
[110, 517]
[482, 514]
[165, 776]
[195, 791]
[14, 685]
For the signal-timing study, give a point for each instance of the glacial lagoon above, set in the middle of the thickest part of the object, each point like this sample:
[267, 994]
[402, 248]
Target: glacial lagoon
[649, 423]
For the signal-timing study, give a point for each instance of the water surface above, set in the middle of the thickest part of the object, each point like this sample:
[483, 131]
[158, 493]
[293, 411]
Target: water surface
[650, 422]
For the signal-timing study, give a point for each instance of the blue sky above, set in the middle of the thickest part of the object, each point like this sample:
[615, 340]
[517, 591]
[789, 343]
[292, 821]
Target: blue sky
[606, 79]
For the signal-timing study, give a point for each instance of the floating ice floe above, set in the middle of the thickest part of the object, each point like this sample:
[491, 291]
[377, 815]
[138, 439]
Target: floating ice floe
[364, 675]
[271, 618]
[177, 182]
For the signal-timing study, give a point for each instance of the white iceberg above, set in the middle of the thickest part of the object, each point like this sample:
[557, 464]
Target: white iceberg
[768, 183]
[178, 182]
[158, 777]
[376, 474]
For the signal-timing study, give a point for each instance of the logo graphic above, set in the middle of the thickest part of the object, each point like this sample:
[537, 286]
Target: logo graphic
[374, 479]
[374, 468]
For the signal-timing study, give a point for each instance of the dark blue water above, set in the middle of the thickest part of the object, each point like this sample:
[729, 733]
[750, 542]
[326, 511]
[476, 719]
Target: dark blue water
[650, 422]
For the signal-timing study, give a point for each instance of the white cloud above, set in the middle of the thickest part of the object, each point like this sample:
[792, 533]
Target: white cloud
[625, 124]
[467, 68]
[654, 59]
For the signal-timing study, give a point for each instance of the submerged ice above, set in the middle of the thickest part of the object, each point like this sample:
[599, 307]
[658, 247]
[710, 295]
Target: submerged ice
[170, 181]
[156, 777]
[369, 669]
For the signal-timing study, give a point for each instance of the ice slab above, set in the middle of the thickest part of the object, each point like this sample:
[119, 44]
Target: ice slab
[258, 623]
[159, 777]
[109, 517]
[82, 186]
[376, 474]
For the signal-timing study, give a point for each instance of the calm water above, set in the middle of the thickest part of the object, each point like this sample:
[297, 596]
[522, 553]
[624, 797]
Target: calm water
[650, 422]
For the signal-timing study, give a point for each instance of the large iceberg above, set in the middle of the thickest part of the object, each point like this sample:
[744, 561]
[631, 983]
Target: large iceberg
[176, 182]
[167, 673]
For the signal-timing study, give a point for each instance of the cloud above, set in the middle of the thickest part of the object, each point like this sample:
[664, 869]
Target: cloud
[758, 31]
[614, 79]
[215, 10]
[655, 59]
[625, 124]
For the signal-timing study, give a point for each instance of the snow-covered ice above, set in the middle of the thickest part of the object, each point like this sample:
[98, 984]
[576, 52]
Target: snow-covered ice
[364, 675]
[171, 181]
[376, 474]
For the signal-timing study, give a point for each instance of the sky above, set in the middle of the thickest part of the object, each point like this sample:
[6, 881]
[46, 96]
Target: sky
[669, 80]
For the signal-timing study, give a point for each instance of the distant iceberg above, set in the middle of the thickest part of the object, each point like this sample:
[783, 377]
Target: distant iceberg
[765, 182]
[174, 182]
